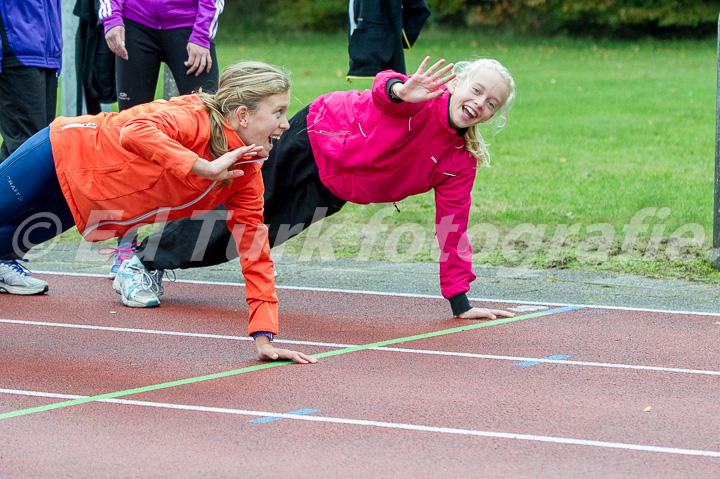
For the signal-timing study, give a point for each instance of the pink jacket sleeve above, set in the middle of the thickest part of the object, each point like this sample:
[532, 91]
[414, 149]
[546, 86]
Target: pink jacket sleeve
[206, 24]
[452, 203]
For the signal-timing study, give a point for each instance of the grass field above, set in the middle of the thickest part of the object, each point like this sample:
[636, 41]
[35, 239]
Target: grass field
[607, 162]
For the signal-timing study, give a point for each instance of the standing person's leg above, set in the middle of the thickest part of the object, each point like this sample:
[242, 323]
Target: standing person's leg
[32, 210]
[28, 99]
[174, 45]
[137, 76]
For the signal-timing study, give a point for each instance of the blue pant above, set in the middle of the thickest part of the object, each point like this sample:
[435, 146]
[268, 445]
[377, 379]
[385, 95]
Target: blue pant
[32, 206]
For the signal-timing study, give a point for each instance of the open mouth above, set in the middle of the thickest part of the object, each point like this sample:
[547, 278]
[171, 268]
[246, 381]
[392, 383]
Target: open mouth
[469, 112]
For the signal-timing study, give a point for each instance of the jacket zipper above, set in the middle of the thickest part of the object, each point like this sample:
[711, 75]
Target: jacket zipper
[150, 213]
[330, 133]
[79, 125]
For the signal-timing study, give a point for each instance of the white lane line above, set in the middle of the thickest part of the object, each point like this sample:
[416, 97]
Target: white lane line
[388, 425]
[556, 361]
[411, 295]
[382, 348]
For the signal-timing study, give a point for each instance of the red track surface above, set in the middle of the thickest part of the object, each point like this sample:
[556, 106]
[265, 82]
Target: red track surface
[380, 413]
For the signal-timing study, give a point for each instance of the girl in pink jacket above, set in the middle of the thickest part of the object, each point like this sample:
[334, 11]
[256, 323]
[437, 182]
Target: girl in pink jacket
[406, 136]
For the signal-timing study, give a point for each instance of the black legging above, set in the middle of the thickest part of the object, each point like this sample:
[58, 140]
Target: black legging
[147, 48]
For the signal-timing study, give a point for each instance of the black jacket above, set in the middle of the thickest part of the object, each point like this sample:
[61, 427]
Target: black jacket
[94, 61]
[379, 31]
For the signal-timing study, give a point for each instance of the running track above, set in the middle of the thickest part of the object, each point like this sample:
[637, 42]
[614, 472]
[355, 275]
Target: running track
[92, 389]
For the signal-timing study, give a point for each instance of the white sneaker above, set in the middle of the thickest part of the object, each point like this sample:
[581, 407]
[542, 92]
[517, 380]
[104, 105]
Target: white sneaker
[157, 277]
[136, 285]
[16, 279]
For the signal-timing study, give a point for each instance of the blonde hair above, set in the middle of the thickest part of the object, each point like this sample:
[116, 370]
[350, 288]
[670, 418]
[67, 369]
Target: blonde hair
[245, 83]
[474, 141]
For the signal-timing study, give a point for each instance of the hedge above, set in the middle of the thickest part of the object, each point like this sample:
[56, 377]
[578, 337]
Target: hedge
[688, 17]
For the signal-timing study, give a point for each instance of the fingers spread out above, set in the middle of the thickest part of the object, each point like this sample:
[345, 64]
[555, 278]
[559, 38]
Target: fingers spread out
[434, 71]
[433, 68]
[424, 63]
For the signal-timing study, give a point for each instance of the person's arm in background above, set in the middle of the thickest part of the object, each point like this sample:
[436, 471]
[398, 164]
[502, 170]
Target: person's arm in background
[204, 31]
[110, 14]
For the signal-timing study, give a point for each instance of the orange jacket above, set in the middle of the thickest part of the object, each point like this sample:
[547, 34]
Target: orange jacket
[119, 171]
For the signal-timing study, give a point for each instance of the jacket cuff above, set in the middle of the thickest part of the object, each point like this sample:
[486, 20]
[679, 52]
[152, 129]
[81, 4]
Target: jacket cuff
[267, 334]
[112, 22]
[388, 90]
[199, 39]
[459, 304]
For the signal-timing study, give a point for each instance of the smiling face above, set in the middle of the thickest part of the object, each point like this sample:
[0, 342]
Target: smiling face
[477, 98]
[266, 123]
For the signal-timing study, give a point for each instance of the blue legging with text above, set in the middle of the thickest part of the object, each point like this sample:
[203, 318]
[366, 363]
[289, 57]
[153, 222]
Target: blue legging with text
[32, 206]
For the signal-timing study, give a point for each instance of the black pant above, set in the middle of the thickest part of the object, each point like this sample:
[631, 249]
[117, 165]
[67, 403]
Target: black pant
[294, 199]
[147, 48]
[28, 99]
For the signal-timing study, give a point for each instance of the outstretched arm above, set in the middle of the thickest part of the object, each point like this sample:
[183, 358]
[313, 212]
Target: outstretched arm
[424, 85]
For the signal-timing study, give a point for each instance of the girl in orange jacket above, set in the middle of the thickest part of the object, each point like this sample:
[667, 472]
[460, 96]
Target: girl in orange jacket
[111, 173]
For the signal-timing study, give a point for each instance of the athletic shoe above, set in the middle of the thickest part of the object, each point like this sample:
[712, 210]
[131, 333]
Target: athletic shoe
[16, 279]
[123, 252]
[157, 277]
[136, 285]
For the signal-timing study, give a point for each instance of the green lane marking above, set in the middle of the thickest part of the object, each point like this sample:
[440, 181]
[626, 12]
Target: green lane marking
[128, 392]
[258, 367]
[433, 334]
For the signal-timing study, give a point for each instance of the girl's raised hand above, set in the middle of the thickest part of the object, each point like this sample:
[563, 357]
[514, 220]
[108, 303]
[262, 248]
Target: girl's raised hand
[217, 170]
[424, 85]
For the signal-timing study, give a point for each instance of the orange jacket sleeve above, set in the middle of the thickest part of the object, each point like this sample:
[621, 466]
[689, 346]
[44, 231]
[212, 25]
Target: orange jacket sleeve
[161, 136]
[245, 220]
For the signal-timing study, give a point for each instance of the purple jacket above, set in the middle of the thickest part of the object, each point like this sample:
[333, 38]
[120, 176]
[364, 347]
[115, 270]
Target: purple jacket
[202, 15]
[34, 32]
[370, 149]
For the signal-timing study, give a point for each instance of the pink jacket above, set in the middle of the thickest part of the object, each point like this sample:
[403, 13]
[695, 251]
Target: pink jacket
[370, 149]
[202, 15]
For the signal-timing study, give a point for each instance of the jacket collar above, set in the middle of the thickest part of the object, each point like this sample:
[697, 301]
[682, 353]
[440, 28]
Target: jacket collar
[448, 123]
